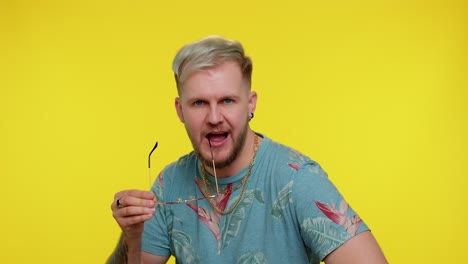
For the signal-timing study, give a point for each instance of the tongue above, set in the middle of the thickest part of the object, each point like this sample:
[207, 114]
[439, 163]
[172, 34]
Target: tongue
[217, 137]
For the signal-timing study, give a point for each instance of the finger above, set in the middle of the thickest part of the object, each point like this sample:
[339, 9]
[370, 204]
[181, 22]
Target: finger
[120, 199]
[133, 220]
[127, 201]
[117, 204]
[135, 193]
[133, 211]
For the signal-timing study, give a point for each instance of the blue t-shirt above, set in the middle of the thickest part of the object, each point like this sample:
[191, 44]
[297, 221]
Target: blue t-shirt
[290, 213]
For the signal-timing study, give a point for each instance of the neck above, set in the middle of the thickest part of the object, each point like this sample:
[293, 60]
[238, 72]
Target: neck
[243, 159]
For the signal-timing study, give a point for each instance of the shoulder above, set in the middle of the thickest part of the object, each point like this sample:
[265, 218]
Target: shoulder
[287, 158]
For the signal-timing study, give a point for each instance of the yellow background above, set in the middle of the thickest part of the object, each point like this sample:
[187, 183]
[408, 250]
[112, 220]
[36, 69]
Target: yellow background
[375, 91]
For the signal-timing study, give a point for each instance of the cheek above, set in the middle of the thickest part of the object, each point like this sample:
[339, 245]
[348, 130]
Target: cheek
[193, 121]
[237, 119]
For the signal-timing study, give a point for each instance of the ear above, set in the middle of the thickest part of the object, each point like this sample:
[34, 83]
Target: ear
[178, 107]
[252, 102]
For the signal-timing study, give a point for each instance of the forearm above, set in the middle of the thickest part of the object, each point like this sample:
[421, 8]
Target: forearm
[126, 252]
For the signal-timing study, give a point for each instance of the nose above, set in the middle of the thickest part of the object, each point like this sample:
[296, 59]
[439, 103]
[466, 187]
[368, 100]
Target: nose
[214, 116]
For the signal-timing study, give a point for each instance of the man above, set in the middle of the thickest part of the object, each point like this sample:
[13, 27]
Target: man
[265, 203]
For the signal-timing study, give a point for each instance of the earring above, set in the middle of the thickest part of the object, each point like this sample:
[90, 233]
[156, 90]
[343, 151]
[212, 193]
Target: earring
[251, 116]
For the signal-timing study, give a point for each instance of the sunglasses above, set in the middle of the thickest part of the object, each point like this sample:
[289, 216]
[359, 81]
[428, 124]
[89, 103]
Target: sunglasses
[191, 198]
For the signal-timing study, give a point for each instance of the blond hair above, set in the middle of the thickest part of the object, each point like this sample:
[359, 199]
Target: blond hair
[209, 52]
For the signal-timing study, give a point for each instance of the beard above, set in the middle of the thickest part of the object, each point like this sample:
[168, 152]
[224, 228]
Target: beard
[239, 143]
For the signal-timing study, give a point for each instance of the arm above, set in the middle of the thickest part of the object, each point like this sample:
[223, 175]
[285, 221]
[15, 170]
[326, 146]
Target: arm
[135, 208]
[119, 256]
[123, 255]
[362, 249]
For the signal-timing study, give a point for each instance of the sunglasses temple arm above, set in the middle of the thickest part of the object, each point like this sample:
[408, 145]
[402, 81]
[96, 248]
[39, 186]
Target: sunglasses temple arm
[214, 168]
[149, 163]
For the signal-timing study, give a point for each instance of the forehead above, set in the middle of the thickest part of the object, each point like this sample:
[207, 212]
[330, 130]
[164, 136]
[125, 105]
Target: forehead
[223, 78]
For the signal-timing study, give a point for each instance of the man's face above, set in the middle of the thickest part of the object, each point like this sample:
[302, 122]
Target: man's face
[214, 105]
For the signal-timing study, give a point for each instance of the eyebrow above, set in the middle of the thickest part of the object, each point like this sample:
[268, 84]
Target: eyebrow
[224, 97]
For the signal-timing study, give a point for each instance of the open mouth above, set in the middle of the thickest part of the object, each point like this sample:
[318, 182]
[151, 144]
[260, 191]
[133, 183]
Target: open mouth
[216, 137]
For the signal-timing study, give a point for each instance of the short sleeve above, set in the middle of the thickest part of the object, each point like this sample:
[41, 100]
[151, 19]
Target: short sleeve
[326, 220]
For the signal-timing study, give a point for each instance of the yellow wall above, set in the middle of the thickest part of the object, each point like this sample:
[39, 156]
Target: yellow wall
[375, 91]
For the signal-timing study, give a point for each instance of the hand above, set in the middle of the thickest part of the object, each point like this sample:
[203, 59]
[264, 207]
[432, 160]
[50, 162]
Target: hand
[131, 208]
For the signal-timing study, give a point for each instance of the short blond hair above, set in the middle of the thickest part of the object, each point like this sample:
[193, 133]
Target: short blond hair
[209, 52]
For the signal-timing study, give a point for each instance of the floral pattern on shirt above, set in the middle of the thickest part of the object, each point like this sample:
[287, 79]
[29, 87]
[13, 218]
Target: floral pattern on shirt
[232, 221]
[340, 216]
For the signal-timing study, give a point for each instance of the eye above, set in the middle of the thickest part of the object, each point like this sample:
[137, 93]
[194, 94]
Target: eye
[228, 101]
[198, 103]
